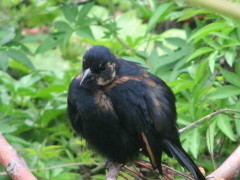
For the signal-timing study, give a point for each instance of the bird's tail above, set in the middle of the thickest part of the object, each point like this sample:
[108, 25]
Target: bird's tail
[183, 158]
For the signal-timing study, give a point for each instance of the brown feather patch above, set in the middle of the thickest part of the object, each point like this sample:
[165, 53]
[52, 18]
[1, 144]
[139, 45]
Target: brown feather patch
[124, 79]
[149, 150]
[103, 101]
[155, 99]
[151, 83]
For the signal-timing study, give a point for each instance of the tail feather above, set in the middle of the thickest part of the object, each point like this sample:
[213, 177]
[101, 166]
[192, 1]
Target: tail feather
[184, 159]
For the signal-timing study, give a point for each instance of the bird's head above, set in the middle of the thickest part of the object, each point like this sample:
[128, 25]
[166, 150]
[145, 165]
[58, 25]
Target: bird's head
[99, 67]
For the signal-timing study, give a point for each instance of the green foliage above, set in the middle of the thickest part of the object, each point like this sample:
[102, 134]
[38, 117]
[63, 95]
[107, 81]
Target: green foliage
[41, 49]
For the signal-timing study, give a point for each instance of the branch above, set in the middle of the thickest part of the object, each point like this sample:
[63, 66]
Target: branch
[13, 162]
[113, 170]
[229, 169]
[223, 7]
[209, 116]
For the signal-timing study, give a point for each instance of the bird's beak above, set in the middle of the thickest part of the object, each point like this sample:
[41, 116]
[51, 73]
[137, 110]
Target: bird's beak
[86, 73]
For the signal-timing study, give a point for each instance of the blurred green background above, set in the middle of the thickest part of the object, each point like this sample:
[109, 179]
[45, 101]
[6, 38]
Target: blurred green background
[194, 50]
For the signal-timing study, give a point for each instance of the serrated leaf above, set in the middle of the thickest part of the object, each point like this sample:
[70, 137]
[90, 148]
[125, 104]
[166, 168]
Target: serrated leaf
[47, 44]
[20, 57]
[70, 12]
[223, 122]
[212, 42]
[5, 99]
[176, 41]
[210, 136]
[164, 48]
[230, 56]
[237, 124]
[200, 52]
[201, 71]
[201, 33]
[237, 67]
[50, 152]
[195, 143]
[225, 92]
[62, 26]
[143, 9]
[3, 60]
[190, 12]
[231, 77]
[83, 12]
[54, 88]
[180, 85]
[212, 59]
[7, 34]
[85, 32]
[158, 14]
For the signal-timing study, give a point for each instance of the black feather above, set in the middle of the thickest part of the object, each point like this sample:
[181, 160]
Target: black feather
[183, 158]
[129, 111]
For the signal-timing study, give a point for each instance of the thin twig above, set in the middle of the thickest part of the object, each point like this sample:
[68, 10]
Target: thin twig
[148, 166]
[236, 117]
[178, 172]
[123, 176]
[133, 173]
[209, 116]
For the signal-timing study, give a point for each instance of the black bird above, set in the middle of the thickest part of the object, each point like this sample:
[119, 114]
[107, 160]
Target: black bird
[120, 108]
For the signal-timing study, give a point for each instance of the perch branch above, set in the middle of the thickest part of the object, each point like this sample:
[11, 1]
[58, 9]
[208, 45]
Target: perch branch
[229, 169]
[113, 171]
[209, 116]
[14, 164]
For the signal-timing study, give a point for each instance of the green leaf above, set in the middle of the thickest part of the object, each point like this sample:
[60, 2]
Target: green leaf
[225, 92]
[62, 26]
[54, 88]
[237, 67]
[5, 98]
[176, 41]
[163, 47]
[83, 12]
[195, 143]
[180, 85]
[7, 34]
[200, 52]
[47, 44]
[223, 122]
[192, 12]
[18, 140]
[20, 57]
[85, 32]
[3, 60]
[70, 12]
[231, 77]
[210, 136]
[237, 124]
[144, 10]
[212, 58]
[68, 176]
[202, 72]
[206, 30]
[49, 114]
[230, 56]
[50, 152]
[158, 14]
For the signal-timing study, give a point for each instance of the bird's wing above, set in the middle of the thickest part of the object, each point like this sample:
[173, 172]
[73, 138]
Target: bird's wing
[146, 107]
[145, 101]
